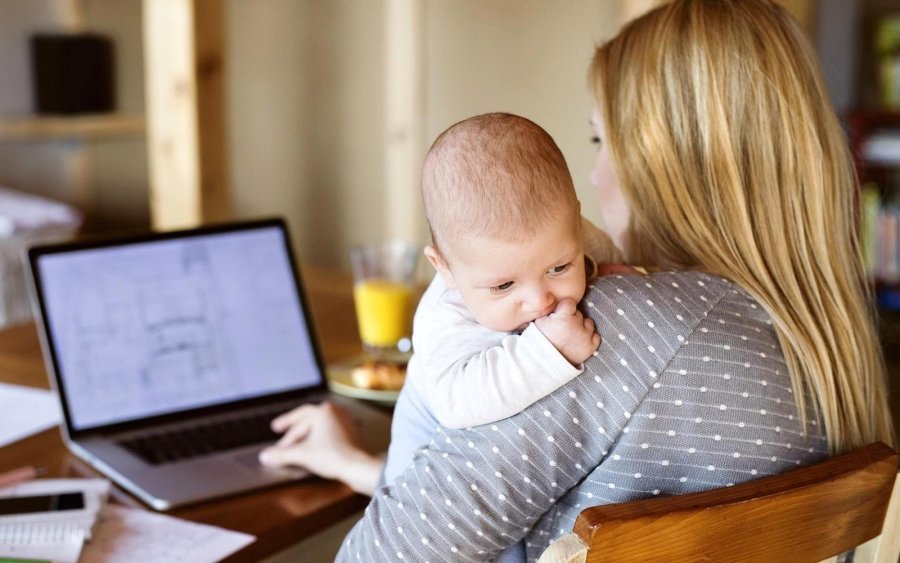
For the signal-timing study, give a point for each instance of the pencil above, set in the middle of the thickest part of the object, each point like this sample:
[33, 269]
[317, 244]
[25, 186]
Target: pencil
[15, 476]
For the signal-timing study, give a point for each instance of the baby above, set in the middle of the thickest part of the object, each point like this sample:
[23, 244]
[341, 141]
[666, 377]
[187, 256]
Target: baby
[498, 327]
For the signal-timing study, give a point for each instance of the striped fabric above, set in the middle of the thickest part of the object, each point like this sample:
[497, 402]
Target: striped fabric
[689, 391]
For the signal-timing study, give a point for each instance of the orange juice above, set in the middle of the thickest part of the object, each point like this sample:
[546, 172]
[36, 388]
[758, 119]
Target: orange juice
[384, 311]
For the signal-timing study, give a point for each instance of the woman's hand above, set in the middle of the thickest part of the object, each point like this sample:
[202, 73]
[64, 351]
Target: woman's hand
[323, 439]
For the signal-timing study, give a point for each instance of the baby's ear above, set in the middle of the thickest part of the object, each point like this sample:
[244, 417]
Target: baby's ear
[437, 260]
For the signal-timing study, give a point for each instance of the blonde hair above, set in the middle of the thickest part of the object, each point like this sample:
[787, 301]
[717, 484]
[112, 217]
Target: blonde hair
[729, 152]
[495, 175]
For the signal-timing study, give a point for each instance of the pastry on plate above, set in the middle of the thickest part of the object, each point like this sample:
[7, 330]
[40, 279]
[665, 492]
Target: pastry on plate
[373, 374]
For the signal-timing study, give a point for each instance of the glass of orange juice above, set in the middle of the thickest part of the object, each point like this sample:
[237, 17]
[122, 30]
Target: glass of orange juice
[383, 275]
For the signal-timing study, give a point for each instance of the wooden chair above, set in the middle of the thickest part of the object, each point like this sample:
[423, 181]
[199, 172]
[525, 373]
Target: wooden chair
[810, 514]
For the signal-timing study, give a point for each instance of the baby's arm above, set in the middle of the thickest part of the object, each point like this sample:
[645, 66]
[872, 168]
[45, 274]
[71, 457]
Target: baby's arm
[499, 381]
[468, 381]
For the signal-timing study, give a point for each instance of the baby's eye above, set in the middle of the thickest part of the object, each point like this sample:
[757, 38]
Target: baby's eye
[595, 139]
[561, 269]
[502, 287]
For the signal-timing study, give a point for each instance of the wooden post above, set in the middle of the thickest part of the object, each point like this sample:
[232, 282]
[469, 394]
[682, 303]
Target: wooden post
[186, 133]
[404, 118]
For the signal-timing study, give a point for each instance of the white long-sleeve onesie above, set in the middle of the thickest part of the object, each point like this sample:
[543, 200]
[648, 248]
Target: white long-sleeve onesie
[470, 375]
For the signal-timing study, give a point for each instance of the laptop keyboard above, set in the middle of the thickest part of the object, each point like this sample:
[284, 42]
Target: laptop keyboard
[203, 439]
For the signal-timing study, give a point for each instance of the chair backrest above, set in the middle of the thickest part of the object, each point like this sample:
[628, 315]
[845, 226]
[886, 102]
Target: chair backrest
[809, 514]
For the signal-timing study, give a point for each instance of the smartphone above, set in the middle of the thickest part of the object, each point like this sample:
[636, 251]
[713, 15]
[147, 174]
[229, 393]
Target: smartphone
[41, 503]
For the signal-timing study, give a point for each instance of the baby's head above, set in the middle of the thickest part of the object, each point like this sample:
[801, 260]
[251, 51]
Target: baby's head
[504, 218]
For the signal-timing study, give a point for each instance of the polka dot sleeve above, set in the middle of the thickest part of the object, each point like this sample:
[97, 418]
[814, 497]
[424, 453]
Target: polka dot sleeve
[472, 492]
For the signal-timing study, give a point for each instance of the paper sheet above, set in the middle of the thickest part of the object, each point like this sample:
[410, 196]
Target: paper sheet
[128, 534]
[22, 213]
[25, 411]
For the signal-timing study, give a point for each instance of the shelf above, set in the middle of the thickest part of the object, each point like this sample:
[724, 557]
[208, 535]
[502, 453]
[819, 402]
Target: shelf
[83, 127]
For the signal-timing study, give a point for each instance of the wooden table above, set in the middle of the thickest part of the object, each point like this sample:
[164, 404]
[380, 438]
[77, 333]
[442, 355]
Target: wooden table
[278, 517]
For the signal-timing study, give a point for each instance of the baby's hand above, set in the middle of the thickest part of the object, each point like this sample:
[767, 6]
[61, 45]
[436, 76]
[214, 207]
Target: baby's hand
[572, 334]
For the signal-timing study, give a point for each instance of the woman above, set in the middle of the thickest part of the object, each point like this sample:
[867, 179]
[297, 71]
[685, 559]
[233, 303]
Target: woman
[771, 202]
[752, 351]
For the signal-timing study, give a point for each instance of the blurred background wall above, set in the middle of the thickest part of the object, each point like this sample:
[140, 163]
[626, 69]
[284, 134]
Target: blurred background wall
[305, 95]
[305, 104]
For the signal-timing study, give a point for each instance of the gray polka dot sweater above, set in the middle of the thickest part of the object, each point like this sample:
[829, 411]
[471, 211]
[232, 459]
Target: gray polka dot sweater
[689, 391]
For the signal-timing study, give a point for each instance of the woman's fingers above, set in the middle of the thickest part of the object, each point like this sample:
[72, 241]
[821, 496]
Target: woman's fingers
[280, 457]
[295, 433]
[284, 421]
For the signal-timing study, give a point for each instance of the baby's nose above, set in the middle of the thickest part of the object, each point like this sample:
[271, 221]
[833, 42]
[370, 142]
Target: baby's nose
[540, 301]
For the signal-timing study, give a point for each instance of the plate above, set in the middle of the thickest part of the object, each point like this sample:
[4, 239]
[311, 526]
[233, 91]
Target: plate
[340, 381]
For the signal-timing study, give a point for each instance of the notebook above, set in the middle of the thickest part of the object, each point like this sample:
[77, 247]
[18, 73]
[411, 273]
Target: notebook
[171, 353]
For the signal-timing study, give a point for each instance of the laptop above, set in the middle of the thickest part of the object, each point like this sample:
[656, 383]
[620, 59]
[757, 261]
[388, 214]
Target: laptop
[172, 352]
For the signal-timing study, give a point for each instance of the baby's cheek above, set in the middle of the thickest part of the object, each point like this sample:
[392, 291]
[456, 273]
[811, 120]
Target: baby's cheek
[498, 319]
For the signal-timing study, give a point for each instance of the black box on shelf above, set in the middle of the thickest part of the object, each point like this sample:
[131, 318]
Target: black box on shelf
[72, 73]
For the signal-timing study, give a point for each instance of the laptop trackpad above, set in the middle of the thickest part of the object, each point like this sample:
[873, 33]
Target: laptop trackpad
[250, 460]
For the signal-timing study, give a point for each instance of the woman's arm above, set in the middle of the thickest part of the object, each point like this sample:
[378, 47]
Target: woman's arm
[470, 493]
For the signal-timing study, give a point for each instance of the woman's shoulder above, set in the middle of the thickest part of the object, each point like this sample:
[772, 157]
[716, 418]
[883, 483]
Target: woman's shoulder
[676, 307]
[678, 289]
[679, 300]
[669, 279]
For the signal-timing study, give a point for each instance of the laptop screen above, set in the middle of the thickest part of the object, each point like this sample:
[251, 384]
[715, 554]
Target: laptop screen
[161, 326]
